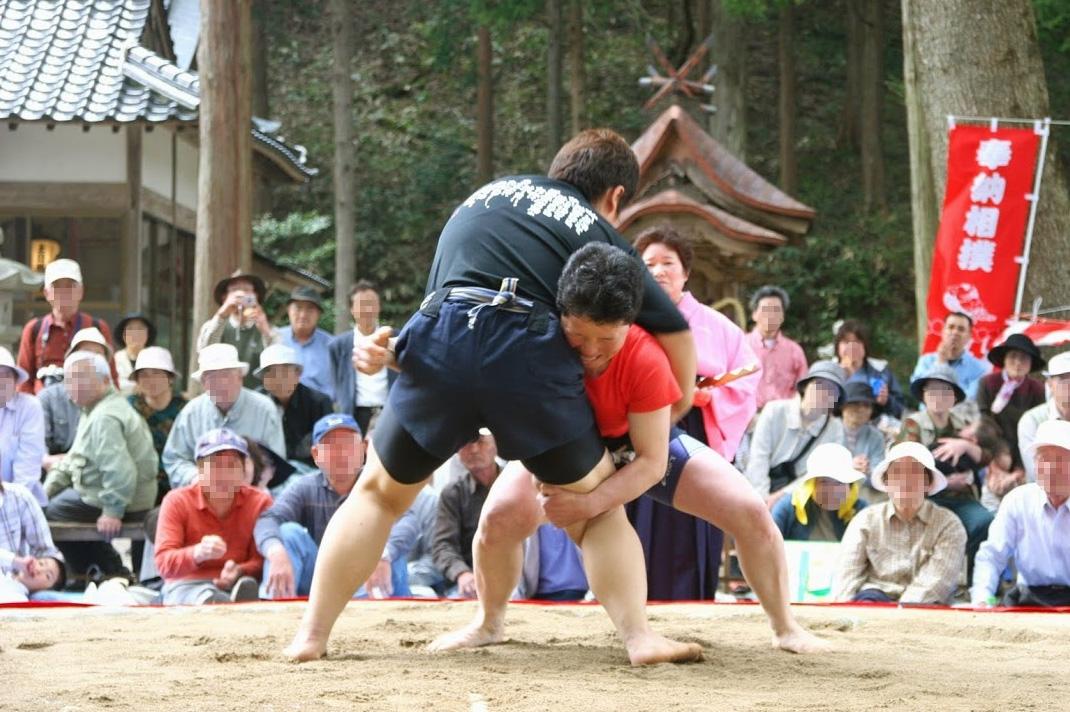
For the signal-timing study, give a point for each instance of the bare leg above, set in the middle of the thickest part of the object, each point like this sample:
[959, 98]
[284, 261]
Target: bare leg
[351, 547]
[711, 489]
[510, 515]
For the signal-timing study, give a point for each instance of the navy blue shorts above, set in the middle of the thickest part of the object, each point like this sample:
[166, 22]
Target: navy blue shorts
[511, 372]
[681, 448]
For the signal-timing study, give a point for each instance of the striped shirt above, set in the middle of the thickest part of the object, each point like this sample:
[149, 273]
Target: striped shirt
[23, 529]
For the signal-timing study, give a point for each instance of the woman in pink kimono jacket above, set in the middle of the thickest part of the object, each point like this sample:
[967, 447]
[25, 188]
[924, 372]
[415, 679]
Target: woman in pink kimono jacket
[683, 554]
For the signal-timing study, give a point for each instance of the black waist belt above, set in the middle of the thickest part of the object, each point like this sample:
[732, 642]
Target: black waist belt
[505, 299]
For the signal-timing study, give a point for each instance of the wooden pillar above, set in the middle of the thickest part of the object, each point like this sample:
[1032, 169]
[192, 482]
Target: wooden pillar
[345, 221]
[130, 240]
[224, 189]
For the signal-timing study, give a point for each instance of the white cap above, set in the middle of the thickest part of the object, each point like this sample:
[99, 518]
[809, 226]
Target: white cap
[277, 355]
[90, 335]
[62, 269]
[1058, 365]
[155, 357]
[834, 461]
[913, 451]
[218, 357]
[8, 361]
[1052, 432]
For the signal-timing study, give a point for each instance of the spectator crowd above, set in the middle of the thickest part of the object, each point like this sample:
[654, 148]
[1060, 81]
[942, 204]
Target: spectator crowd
[950, 487]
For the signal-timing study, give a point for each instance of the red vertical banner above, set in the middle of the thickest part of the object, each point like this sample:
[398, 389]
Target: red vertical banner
[982, 231]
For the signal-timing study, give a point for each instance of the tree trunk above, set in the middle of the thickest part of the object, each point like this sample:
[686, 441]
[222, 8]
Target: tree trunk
[786, 60]
[345, 250]
[729, 123]
[847, 134]
[554, 62]
[260, 101]
[871, 85]
[971, 59]
[577, 69]
[224, 183]
[484, 109]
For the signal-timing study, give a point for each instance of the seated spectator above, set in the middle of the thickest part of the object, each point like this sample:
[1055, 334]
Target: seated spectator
[109, 475]
[415, 541]
[22, 430]
[553, 567]
[861, 437]
[299, 406]
[23, 576]
[906, 549]
[264, 469]
[240, 321]
[952, 352]
[852, 353]
[942, 430]
[459, 506]
[225, 403]
[133, 333]
[46, 340]
[788, 430]
[309, 342]
[359, 394]
[1057, 408]
[205, 549]
[783, 361]
[156, 402]
[824, 500]
[1032, 526]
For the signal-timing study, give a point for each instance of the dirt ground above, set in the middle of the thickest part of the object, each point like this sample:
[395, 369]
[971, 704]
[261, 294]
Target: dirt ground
[559, 657]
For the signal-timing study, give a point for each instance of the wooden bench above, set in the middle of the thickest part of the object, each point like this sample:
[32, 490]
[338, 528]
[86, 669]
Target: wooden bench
[78, 531]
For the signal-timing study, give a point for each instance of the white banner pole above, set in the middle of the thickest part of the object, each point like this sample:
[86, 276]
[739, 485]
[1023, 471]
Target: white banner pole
[1043, 128]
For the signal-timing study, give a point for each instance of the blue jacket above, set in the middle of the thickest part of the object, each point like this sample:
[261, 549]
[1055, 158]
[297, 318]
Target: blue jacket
[791, 528]
[343, 375]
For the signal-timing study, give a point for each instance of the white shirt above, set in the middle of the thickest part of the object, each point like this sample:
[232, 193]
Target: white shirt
[371, 390]
[1036, 534]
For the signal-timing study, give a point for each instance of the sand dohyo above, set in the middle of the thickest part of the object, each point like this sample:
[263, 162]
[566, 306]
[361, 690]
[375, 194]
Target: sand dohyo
[559, 658]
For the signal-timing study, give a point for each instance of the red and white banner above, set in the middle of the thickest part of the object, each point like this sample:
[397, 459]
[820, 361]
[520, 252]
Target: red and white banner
[1043, 332]
[982, 230]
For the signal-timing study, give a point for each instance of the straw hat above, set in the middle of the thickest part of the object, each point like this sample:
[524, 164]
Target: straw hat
[218, 357]
[155, 357]
[834, 461]
[914, 451]
[220, 291]
[8, 361]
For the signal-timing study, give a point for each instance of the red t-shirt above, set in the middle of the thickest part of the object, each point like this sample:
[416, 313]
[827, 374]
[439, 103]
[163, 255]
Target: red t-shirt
[638, 380]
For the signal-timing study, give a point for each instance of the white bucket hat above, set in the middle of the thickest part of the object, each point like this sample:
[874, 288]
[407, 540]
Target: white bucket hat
[277, 355]
[1058, 365]
[916, 452]
[218, 357]
[155, 357]
[1050, 432]
[89, 335]
[8, 361]
[62, 269]
[834, 461]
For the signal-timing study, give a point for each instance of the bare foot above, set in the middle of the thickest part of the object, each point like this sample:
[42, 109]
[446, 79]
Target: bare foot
[305, 647]
[653, 649]
[801, 641]
[474, 635]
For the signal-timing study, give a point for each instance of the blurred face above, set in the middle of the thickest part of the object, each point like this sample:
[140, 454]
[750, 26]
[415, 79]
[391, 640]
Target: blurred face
[221, 474]
[136, 335]
[153, 382]
[364, 307]
[40, 575]
[1053, 472]
[1060, 393]
[956, 334]
[666, 269]
[830, 494]
[8, 381]
[907, 482]
[769, 316]
[223, 386]
[340, 455]
[64, 295]
[303, 317]
[84, 385]
[819, 396]
[939, 397]
[1017, 364]
[851, 350]
[478, 458]
[855, 415]
[242, 285]
[281, 380]
[596, 343]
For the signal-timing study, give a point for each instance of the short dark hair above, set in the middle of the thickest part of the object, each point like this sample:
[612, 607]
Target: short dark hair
[855, 328]
[964, 315]
[769, 290]
[602, 283]
[668, 236]
[595, 161]
[61, 574]
[362, 285]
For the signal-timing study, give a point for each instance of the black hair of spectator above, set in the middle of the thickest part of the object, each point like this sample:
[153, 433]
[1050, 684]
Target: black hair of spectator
[855, 328]
[361, 285]
[967, 317]
[667, 235]
[61, 574]
[769, 290]
[602, 283]
[596, 161]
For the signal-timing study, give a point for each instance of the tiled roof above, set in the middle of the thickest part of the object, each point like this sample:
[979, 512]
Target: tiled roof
[79, 60]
